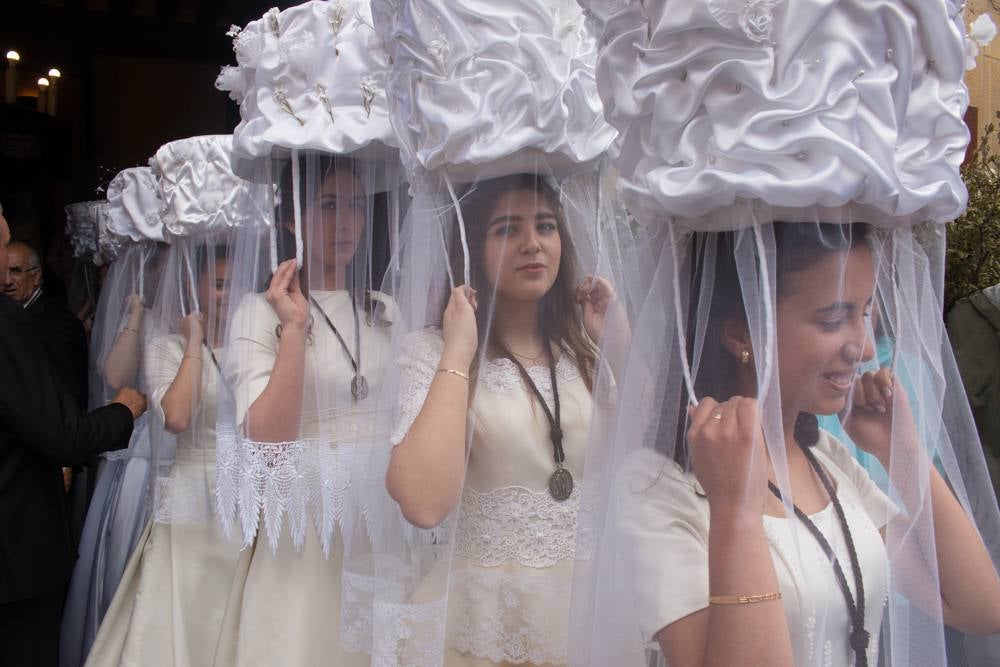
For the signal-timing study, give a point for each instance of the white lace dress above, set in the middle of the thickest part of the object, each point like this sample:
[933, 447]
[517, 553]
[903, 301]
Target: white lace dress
[663, 524]
[285, 604]
[514, 545]
[168, 608]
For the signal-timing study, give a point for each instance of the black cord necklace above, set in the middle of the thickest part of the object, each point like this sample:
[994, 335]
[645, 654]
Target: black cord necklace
[359, 385]
[856, 608]
[561, 481]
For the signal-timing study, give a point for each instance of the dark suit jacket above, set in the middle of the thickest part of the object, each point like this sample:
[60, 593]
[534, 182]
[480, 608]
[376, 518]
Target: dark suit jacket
[41, 429]
[65, 342]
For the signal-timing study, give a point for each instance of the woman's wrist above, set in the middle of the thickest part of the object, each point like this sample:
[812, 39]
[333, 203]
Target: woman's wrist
[455, 361]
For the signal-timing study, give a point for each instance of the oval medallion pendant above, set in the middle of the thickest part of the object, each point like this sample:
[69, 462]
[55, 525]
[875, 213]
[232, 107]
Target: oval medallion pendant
[561, 484]
[359, 387]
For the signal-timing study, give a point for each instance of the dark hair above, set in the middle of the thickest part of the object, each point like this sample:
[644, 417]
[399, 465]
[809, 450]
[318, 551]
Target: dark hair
[797, 246]
[560, 318]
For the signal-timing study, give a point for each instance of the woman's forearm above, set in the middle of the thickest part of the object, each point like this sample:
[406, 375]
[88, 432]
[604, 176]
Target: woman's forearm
[740, 563]
[277, 413]
[122, 363]
[427, 469]
[180, 401]
[969, 586]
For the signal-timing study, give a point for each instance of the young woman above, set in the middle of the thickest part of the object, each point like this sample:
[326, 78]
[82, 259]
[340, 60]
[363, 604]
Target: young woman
[514, 365]
[721, 573]
[304, 361]
[170, 603]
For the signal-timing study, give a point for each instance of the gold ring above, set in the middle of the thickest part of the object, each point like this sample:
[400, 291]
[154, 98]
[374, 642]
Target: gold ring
[717, 416]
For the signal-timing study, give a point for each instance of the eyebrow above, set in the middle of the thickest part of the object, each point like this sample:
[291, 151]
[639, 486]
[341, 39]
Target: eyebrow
[517, 218]
[841, 305]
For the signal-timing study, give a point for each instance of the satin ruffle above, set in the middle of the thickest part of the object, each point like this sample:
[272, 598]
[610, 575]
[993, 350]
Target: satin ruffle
[200, 193]
[486, 88]
[134, 205]
[803, 103]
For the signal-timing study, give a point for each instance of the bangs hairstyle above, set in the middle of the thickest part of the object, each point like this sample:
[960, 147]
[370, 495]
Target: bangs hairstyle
[560, 318]
[714, 276]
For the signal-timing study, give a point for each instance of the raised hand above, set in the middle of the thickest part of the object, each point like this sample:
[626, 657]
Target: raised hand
[461, 337]
[878, 408]
[285, 296]
[728, 454]
[600, 308]
[192, 330]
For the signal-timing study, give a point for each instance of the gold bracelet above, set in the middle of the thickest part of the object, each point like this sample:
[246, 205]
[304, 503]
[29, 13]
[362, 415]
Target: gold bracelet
[743, 599]
[135, 331]
[193, 356]
[464, 376]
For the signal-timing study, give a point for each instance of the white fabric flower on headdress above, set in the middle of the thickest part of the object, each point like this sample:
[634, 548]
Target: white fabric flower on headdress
[754, 17]
[981, 33]
[230, 80]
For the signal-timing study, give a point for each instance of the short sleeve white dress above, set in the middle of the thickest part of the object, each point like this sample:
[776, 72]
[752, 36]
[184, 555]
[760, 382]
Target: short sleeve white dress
[663, 521]
[515, 545]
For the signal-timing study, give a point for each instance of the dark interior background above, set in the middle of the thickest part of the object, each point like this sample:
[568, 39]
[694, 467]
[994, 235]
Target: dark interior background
[135, 74]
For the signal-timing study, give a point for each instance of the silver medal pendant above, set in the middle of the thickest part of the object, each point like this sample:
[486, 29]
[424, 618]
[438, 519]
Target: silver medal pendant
[561, 484]
[359, 388]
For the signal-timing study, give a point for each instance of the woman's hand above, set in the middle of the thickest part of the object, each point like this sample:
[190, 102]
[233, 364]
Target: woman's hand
[286, 298]
[136, 307]
[601, 308]
[879, 408]
[192, 330]
[461, 336]
[728, 454]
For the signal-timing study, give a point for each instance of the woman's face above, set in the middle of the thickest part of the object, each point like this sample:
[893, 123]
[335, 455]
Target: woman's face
[523, 249]
[823, 331]
[338, 216]
[213, 290]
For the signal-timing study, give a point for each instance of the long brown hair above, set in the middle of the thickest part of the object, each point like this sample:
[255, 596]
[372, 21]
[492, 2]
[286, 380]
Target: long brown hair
[560, 317]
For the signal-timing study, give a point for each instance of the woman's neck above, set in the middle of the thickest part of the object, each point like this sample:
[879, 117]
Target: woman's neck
[334, 279]
[516, 325]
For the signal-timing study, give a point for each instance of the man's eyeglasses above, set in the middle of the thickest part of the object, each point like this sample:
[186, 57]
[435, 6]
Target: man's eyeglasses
[18, 272]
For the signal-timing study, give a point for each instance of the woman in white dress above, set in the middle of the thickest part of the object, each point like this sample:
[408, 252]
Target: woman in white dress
[169, 607]
[302, 360]
[120, 507]
[515, 362]
[720, 573]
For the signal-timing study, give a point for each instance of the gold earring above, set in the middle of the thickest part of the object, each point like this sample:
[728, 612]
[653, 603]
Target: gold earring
[745, 357]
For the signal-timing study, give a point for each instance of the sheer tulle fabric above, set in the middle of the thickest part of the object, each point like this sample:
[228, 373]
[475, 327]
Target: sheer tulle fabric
[651, 522]
[490, 583]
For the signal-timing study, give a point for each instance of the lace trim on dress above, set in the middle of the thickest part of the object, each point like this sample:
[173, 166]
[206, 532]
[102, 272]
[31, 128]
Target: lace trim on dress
[409, 634]
[518, 524]
[515, 618]
[418, 364]
[269, 482]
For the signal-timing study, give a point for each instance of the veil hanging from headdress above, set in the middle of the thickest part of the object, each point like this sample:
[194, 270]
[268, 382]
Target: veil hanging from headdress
[490, 105]
[792, 165]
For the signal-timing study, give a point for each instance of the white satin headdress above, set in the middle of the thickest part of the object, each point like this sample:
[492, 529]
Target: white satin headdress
[134, 205]
[310, 78]
[794, 103]
[198, 191]
[81, 227]
[488, 94]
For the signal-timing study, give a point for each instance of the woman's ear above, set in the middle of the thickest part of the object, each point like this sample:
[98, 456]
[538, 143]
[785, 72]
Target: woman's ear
[736, 339]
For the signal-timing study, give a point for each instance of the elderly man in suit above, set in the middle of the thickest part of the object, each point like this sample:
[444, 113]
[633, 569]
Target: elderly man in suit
[41, 429]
